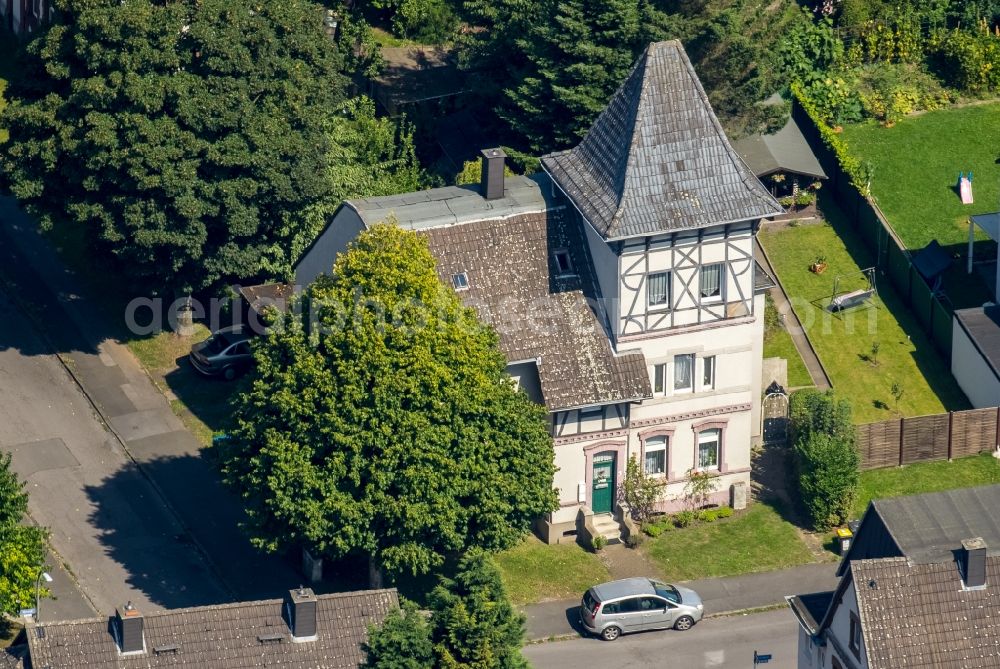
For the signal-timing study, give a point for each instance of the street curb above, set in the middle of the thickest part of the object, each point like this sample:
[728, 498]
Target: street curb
[15, 299]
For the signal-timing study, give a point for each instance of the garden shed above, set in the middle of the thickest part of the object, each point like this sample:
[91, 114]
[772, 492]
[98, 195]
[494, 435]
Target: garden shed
[782, 160]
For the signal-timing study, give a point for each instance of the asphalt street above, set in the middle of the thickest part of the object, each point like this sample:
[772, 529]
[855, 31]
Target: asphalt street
[119, 538]
[715, 642]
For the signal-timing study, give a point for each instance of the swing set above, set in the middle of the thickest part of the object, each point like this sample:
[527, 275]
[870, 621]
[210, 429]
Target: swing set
[854, 298]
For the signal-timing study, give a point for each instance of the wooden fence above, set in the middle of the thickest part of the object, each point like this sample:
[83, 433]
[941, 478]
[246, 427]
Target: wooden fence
[923, 438]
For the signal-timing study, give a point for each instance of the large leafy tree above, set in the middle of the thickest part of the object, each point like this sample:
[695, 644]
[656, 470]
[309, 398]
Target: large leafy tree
[184, 136]
[382, 421]
[22, 547]
[570, 57]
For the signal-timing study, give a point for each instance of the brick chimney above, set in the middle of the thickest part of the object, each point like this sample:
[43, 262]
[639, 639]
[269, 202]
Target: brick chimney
[491, 182]
[302, 614]
[129, 625]
[974, 563]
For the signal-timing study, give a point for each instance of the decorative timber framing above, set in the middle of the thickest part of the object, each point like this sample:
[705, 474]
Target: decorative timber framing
[685, 256]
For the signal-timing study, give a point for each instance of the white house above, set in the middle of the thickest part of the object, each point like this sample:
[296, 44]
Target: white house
[920, 587]
[623, 286]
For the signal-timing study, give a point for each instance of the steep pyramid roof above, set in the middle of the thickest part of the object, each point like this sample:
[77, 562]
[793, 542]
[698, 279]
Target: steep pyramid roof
[657, 159]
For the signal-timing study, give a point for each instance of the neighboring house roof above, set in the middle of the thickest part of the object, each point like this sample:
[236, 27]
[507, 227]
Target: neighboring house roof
[455, 204]
[267, 295]
[982, 325]
[13, 657]
[657, 159]
[514, 285]
[918, 615]
[226, 636]
[783, 151]
[811, 608]
[927, 528]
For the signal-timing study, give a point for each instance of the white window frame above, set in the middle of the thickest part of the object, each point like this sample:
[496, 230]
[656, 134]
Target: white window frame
[660, 382]
[657, 444]
[708, 369]
[702, 440]
[665, 304]
[720, 297]
[691, 369]
[460, 281]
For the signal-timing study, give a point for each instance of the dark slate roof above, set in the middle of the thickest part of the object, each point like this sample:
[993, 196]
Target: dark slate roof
[929, 528]
[220, 637]
[918, 615]
[13, 658]
[657, 159]
[514, 286]
[783, 151]
[982, 324]
[810, 609]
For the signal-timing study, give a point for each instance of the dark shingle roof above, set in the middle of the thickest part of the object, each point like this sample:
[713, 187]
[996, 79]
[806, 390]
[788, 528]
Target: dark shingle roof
[657, 159]
[221, 637]
[929, 528]
[515, 287]
[783, 151]
[13, 658]
[918, 615]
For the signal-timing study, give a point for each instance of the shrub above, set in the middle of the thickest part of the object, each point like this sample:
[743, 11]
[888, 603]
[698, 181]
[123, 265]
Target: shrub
[971, 61]
[826, 456]
[427, 21]
[640, 492]
[724, 511]
[598, 542]
[634, 540]
[828, 478]
[708, 515]
[698, 487]
[652, 529]
[683, 518]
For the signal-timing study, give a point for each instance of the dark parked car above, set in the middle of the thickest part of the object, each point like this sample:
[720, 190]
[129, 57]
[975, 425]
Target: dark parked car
[226, 353]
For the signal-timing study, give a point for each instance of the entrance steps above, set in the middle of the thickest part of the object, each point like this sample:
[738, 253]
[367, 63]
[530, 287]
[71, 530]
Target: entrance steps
[606, 525]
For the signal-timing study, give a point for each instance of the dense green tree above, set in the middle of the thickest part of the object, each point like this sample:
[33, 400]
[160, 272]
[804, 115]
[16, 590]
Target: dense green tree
[22, 547]
[402, 641]
[185, 137]
[826, 456]
[474, 624]
[381, 420]
[578, 53]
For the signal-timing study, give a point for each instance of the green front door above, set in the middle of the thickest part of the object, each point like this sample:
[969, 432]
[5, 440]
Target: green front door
[602, 497]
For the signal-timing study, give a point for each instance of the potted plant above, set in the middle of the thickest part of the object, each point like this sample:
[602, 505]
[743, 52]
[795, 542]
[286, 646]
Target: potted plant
[818, 265]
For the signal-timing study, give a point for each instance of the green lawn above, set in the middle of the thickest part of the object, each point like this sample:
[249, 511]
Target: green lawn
[535, 572]
[844, 341]
[916, 165]
[926, 477]
[778, 344]
[758, 539]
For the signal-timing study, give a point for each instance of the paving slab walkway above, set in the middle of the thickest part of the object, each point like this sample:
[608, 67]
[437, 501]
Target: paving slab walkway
[139, 417]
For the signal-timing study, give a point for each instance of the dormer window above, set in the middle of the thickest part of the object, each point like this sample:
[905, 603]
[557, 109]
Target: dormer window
[564, 264]
[460, 281]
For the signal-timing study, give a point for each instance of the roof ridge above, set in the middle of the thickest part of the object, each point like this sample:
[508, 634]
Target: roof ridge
[747, 176]
[630, 155]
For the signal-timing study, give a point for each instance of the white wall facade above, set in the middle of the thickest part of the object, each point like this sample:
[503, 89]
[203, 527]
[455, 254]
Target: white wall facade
[975, 377]
[723, 335]
[835, 643]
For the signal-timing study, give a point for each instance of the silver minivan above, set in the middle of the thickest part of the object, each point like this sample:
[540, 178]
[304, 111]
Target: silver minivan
[638, 604]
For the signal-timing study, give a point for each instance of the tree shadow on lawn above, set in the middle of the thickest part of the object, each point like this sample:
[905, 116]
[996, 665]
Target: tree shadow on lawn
[209, 399]
[932, 365]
